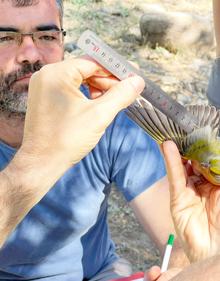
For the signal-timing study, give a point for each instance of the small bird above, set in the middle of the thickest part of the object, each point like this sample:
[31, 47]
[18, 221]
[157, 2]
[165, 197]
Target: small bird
[201, 146]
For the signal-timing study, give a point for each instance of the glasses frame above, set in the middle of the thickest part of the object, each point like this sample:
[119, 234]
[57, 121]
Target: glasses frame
[31, 34]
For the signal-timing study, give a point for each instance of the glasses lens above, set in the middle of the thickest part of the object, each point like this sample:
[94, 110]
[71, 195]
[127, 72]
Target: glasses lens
[9, 38]
[48, 37]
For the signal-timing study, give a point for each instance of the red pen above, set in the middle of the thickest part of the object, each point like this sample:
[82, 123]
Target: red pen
[138, 276]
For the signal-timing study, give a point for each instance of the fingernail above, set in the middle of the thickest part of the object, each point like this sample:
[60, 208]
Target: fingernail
[138, 83]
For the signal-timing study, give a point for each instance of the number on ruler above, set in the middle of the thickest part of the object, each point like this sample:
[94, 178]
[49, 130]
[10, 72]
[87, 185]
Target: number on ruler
[95, 48]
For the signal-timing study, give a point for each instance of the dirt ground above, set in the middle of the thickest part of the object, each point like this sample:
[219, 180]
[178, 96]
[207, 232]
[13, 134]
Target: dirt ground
[184, 75]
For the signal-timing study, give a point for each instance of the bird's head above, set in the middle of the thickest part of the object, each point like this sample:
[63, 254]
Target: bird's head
[209, 169]
[214, 170]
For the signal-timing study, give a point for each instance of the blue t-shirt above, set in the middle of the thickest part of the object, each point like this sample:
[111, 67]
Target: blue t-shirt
[65, 236]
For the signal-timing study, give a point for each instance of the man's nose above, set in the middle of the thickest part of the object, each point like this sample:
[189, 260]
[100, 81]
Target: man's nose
[28, 51]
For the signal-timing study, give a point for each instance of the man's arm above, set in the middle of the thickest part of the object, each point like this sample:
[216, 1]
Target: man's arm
[152, 208]
[22, 185]
[206, 270]
[9, 203]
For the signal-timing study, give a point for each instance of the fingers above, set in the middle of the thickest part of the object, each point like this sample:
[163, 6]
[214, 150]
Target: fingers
[189, 169]
[94, 92]
[92, 72]
[81, 69]
[122, 94]
[103, 80]
[69, 74]
[196, 168]
[102, 83]
[75, 70]
[153, 274]
[86, 66]
[175, 170]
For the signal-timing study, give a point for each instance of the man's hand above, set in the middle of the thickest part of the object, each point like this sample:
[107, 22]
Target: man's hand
[206, 270]
[194, 206]
[61, 127]
[154, 274]
[60, 120]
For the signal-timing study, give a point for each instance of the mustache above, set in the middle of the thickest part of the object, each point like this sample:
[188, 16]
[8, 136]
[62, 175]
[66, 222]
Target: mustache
[27, 68]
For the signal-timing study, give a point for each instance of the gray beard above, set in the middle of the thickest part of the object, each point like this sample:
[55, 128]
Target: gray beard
[16, 104]
[13, 97]
[15, 100]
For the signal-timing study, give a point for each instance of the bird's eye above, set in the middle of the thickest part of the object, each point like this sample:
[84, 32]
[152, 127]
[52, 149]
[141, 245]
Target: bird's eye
[205, 164]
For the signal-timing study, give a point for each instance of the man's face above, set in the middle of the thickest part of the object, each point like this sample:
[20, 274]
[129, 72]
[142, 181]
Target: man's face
[19, 61]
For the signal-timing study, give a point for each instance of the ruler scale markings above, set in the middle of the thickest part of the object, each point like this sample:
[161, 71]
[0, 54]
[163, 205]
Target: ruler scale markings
[93, 46]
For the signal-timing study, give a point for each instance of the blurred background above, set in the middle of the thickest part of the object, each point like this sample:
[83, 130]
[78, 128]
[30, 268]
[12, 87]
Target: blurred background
[173, 43]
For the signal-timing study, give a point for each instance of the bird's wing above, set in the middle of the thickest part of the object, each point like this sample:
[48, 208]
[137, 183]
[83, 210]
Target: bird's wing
[206, 116]
[208, 120]
[162, 128]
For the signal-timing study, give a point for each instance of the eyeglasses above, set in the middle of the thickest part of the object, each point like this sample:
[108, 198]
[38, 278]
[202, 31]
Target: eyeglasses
[42, 39]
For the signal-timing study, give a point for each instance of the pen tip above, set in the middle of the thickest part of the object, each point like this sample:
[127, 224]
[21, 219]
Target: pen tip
[171, 239]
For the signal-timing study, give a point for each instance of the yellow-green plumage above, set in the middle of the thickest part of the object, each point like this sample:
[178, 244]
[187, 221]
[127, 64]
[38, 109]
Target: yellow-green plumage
[202, 146]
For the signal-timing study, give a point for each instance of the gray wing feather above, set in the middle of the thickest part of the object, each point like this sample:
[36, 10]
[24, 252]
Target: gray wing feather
[206, 115]
[162, 128]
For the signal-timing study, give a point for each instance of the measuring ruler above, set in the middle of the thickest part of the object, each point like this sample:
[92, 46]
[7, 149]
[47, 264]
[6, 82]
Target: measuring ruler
[93, 46]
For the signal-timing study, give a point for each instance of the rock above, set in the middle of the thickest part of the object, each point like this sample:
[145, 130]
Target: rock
[175, 30]
[154, 23]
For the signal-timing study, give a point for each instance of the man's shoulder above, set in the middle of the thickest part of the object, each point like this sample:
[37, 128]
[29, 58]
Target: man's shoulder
[124, 136]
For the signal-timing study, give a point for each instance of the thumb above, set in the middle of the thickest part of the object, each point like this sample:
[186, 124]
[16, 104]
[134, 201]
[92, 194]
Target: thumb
[122, 94]
[153, 274]
[174, 166]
